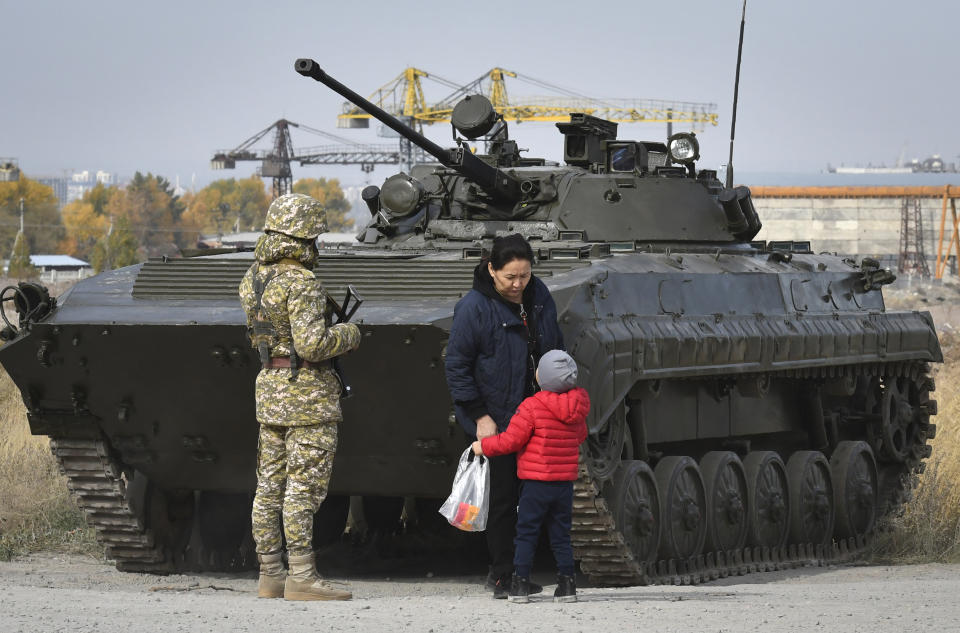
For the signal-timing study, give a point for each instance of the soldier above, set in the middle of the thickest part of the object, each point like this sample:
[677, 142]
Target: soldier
[297, 395]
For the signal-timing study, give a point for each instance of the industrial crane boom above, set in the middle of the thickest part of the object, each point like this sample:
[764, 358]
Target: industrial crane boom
[403, 97]
[275, 162]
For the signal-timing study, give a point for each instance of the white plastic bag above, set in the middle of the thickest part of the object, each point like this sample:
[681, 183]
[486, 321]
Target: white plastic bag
[467, 506]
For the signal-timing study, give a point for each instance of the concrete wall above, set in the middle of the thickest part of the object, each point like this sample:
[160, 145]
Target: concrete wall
[849, 226]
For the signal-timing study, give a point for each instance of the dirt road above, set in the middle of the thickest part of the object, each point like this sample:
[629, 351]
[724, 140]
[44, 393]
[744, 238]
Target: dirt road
[56, 593]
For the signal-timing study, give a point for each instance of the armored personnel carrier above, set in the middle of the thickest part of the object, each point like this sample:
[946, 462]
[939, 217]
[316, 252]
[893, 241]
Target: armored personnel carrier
[754, 404]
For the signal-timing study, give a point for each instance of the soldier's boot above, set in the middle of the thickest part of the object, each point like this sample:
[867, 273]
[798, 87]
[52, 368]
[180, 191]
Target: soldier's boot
[304, 583]
[272, 575]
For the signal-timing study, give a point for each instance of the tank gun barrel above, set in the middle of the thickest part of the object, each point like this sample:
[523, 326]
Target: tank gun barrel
[460, 159]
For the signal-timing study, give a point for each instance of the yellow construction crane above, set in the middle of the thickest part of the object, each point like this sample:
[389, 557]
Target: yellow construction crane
[404, 97]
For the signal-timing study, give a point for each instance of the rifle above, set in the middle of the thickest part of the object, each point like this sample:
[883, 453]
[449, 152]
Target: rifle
[344, 312]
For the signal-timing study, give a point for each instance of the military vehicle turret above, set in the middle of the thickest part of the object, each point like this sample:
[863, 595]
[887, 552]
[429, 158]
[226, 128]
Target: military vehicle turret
[754, 403]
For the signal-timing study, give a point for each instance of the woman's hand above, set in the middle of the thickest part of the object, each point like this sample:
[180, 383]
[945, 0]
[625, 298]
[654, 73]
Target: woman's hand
[477, 448]
[486, 427]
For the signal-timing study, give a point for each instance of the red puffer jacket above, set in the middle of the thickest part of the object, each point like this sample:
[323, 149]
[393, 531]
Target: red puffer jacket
[546, 433]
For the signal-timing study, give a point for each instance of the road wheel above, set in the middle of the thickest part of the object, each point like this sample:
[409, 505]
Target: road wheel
[726, 484]
[636, 509]
[767, 500]
[854, 489]
[683, 507]
[811, 498]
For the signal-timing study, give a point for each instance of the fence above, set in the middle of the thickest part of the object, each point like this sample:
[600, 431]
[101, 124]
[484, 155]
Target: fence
[53, 276]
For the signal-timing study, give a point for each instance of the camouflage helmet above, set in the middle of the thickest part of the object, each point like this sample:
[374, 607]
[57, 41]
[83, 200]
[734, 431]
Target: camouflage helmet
[296, 215]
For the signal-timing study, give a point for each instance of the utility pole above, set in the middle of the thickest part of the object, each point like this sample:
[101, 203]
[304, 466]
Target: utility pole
[107, 264]
[19, 264]
[13, 249]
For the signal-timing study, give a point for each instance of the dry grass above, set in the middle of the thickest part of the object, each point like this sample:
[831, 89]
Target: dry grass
[929, 528]
[36, 511]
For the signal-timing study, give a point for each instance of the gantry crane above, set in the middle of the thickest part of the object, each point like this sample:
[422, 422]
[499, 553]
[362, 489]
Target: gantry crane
[403, 97]
[275, 162]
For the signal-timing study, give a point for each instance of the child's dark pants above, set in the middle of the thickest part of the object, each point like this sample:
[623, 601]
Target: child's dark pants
[549, 502]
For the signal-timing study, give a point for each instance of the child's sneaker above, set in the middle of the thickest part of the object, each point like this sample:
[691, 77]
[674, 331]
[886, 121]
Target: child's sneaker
[519, 589]
[566, 590]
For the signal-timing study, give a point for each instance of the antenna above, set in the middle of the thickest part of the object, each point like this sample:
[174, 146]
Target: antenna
[736, 90]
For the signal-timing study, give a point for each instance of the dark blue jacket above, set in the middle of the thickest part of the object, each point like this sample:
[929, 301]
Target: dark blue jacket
[487, 352]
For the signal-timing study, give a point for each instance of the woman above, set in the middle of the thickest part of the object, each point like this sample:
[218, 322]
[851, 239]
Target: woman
[500, 330]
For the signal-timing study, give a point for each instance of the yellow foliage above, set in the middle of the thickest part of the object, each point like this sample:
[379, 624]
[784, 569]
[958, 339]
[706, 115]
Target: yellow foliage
[41, 215]
[227, 205]
[330, 195]
[83, 227]
[929, 528]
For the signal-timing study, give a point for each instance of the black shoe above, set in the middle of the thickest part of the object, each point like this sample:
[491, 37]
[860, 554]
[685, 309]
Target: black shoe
[566, 589]
[519, 589]
[501, 588]
[491, 584]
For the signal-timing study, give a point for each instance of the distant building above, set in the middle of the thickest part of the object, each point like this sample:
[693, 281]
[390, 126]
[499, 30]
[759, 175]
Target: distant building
[73, 186]
[178, 191]
[59, 186]
[232, 240]
[61, 267]
[82, 181]
[9, 170]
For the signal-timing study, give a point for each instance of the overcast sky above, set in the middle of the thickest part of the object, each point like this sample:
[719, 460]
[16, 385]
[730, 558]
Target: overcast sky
[157, 86]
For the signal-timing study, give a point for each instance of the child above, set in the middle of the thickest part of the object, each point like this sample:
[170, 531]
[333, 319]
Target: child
[546, 433]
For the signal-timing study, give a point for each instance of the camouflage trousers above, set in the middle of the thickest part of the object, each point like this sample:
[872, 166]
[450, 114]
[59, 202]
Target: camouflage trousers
[293, 473]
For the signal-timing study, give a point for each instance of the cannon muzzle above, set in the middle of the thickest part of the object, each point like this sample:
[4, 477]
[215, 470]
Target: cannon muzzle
[497, 183]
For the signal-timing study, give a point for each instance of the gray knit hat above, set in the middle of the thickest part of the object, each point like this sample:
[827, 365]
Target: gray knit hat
[557, 371]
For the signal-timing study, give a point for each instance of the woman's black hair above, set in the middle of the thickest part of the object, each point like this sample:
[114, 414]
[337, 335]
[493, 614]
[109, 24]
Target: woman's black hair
[508, 248]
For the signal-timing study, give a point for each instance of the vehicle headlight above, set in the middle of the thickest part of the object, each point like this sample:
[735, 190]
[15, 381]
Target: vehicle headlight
[474, 116]
[401, 195]
[684, 148]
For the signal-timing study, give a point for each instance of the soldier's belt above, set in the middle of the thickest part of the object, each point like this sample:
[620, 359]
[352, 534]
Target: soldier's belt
[283, 362]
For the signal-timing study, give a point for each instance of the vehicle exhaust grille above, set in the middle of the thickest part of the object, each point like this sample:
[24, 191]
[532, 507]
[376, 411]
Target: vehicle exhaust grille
[376, 278]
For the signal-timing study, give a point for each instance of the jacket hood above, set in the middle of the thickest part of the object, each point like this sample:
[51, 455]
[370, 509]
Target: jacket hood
[570, 407]
[483, 283]
[272, 247]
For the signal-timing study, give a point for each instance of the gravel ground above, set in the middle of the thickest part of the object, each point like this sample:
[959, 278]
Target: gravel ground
[70, 593]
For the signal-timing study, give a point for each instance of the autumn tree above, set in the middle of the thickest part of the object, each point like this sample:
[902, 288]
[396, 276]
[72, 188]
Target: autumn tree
[20, 266]
[330, 195]
[43, 228]
[226, 206]
[85, 221]
[117, 248]
[99, 196]
[152, 213]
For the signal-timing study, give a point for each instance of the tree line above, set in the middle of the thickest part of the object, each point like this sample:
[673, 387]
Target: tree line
[115, 226]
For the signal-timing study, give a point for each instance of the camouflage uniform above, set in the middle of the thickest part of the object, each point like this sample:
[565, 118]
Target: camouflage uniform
[298, 417]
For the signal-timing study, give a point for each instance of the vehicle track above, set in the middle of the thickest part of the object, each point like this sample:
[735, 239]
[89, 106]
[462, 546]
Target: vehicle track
[100, 489]
[607, 559]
